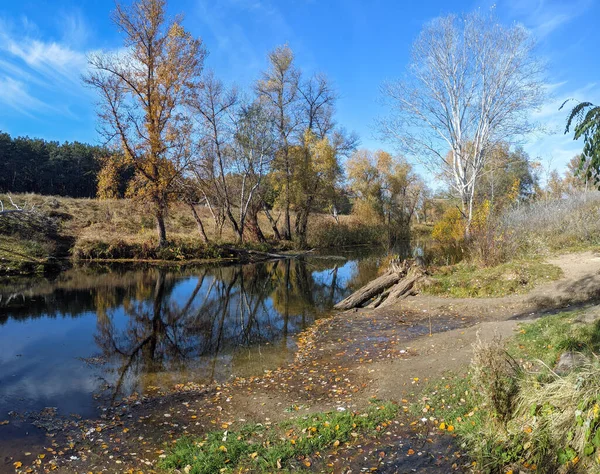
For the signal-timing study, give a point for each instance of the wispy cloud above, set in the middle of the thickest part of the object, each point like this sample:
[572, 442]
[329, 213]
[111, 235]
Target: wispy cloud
[36, 74]
[14, 94]
[232, 24]
[554, 147]
[545, 16]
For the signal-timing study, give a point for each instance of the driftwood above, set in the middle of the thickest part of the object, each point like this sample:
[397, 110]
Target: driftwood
[248, 255]
[397, 283]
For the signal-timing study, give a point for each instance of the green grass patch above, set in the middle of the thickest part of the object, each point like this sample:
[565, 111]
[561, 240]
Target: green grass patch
[278, 447]
[548, 337]
[470, 281]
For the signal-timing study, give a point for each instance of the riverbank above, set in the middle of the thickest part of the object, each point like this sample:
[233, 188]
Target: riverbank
[341, 364]
[55, 232]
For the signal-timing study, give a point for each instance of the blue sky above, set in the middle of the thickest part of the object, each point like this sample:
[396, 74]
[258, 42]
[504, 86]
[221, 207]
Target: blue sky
[357, 43]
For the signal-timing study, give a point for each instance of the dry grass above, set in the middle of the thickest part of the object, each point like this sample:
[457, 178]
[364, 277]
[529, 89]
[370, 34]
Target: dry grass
[553, 225]
[113, 229]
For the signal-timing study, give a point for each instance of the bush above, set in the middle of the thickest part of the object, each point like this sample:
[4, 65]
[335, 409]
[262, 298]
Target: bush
[497, 375]
[175, 250]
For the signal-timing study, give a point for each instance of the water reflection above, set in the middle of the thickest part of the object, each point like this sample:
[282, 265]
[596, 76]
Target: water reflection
[114, 333]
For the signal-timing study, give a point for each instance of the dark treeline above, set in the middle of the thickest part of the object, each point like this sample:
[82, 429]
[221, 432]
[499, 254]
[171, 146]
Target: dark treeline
[33, 165]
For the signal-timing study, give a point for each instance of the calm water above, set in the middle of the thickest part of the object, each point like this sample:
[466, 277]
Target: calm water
[94, 335]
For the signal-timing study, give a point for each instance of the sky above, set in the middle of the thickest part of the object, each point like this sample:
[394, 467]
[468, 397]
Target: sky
[358, 44]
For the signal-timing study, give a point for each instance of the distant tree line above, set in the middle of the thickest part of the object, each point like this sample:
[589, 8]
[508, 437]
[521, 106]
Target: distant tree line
[33, 165]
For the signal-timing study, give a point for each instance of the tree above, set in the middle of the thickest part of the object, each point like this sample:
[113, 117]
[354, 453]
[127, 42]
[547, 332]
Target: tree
[316, 173]
[216, 107]
[142, 93]
[580, 173]
[472, 83]
[253, 154]
[507, 176]
[278, 89]
[584, 119]
[386, 190]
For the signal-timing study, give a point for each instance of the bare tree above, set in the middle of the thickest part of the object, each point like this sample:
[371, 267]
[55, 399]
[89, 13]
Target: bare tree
[471, 84]
[216, 107]
[253, 153]
[142, 91]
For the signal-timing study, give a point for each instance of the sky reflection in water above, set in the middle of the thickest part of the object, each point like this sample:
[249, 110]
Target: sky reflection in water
[112, 334]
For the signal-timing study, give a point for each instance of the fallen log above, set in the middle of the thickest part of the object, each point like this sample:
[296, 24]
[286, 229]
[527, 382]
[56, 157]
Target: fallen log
[258, 256]
[397, 283]
[370, 291]
[405, 287]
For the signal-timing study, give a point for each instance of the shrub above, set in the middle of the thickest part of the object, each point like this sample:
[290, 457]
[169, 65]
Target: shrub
[497, 376]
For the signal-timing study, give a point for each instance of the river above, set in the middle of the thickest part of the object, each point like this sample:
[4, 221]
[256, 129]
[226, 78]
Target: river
[92, 335]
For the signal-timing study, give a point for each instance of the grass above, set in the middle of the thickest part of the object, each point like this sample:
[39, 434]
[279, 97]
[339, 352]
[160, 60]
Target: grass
[466, 280]
[276, 448]
[554, 426]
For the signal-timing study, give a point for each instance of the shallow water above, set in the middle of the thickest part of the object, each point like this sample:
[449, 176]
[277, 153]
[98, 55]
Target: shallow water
[94, 335]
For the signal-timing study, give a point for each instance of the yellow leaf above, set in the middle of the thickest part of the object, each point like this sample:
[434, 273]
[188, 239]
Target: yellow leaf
[41, 456]
[18, 464]
[223, 448]
[450, 428]
[336, 443]
[253, 455]
[442, 426]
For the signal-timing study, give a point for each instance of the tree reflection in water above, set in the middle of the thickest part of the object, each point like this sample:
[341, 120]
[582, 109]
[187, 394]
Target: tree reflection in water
[172, 329]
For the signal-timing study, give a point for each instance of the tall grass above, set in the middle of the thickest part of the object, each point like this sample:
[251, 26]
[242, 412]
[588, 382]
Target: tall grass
[550, 225]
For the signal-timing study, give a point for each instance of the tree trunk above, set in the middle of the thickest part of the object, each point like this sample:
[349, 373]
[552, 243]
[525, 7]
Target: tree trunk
[199, 223]
[405, 287]
[160, 227]
[302, 227]
[254, 227]
[272, 222]
[287, 227]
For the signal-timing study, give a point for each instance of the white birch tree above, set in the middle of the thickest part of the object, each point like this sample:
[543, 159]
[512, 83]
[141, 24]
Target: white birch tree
[471, 84]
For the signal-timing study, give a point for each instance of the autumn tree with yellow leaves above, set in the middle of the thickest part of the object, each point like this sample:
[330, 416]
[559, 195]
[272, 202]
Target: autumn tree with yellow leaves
[142, 90]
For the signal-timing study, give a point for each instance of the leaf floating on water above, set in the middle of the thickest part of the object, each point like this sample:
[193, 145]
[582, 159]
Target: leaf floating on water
[4, 422]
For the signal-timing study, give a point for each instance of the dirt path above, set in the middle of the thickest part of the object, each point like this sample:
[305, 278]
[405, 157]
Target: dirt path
[342, 362]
